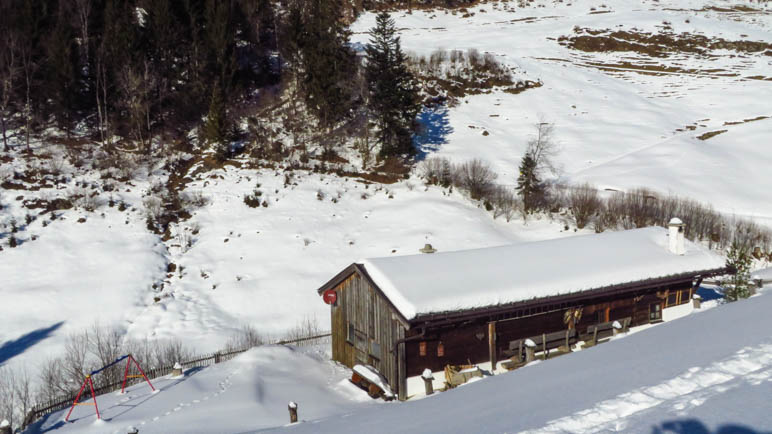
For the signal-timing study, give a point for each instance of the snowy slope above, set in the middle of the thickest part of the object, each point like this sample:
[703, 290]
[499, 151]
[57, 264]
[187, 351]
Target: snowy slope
[73, 275]
[708, 371]
[249, 392]
[616, 127]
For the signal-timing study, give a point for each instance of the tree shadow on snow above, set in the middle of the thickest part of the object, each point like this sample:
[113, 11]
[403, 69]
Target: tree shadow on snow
[11, 349]
[434, 128]
[709, 293]
[694, 426]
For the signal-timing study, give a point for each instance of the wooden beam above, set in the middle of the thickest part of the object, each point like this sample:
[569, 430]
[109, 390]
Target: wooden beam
[492, 344]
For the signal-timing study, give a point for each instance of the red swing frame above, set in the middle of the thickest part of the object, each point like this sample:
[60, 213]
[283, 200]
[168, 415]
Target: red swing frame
[90, 383]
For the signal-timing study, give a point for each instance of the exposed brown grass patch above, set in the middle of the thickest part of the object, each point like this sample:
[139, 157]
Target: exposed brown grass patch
[710, 134]
[655, 45]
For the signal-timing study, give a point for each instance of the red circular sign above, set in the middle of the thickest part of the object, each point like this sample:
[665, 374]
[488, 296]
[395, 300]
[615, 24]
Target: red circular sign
[330, 296]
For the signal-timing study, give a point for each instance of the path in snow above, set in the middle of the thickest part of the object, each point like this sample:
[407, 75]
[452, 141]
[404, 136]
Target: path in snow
[751, 365]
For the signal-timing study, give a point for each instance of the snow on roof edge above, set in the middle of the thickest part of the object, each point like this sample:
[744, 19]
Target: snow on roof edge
[646, 241]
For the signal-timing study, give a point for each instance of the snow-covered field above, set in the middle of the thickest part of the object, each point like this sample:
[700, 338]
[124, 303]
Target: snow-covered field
[709, 371]
[248, 393]
[702, 371]
[237, 265]
[617, 127]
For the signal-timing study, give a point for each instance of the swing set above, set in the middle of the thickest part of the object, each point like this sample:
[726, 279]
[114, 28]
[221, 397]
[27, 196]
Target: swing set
[87, 381]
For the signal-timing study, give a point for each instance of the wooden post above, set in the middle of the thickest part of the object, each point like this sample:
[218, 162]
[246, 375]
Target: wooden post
[428, 377]
[177, 370]
[217, 357]
[595, 335]
[544, 345]
[293, 411]
[617, 328]
[697, 301]
[492, 345]
[5, 427]
[530, 351]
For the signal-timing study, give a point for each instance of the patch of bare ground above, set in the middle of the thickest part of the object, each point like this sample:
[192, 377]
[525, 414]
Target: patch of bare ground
[710, 134]
[657, 69]
[745, 121]
[662, 44]
[447, 76]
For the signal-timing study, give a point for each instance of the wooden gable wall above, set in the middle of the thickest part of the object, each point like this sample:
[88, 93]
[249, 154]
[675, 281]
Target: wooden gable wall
[365, 329]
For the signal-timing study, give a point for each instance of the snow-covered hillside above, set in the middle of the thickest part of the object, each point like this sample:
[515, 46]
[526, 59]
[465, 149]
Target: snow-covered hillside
[707, 371]
[623, 119]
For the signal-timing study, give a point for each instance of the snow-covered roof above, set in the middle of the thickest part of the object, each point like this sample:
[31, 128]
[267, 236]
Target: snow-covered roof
[468, 279]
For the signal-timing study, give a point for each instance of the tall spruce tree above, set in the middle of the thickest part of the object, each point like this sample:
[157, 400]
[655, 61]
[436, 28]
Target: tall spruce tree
[529, 186]
[328, 62]
[393, 93]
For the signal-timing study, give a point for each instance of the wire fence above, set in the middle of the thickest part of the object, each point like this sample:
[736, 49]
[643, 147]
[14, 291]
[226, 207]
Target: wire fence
[101, 387]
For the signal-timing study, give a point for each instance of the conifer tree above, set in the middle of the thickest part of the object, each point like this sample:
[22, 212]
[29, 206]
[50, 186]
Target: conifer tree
[328, 63]
[393, 94]
[529, 186]
[739, 258]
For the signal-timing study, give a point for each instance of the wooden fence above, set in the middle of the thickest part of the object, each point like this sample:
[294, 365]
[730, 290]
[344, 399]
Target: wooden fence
[102, 387]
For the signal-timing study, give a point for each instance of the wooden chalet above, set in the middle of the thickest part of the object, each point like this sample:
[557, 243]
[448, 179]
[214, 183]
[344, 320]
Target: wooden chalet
[403, 314]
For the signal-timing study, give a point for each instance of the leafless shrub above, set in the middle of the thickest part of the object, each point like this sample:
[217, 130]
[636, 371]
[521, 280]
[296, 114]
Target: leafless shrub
[170, 351]
[105, 346]
[152, 206]
[246, 337]
[85, 199]
[16, 396]
[437, 171]
[305, 328]
[504, 202]
[195, 199]
[585, 203]
[476, 177]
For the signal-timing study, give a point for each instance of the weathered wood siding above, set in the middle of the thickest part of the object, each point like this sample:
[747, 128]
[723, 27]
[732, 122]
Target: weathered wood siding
[468, 342]
[365, 329]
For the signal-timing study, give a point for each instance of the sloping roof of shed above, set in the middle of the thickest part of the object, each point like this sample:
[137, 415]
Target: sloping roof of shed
[470, 279]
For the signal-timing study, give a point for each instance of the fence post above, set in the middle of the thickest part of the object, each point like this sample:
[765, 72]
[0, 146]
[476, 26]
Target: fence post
[530, 351]
[697, 301]
[5, 427]
[177, 370]
[544, 345]
[428, 377]
[492, 345]
[293, 411]
[217, 357]
[617, 328]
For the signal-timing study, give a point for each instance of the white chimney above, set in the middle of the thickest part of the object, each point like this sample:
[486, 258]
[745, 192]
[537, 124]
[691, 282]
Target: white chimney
[676, 234]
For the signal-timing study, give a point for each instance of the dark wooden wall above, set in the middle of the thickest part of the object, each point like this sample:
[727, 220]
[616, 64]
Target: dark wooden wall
[467, 342]
[375, 329]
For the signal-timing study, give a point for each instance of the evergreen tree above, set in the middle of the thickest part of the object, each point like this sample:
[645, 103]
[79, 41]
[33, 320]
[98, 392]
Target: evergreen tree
[529, 186]
[739, 258]
[216, 128]
[393, 94]
[328, 63]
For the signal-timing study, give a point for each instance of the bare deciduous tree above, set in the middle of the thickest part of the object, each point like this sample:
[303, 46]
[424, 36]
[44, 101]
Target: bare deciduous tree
[9, 68]
[543, 149]
[585, 203]
[476, 177]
